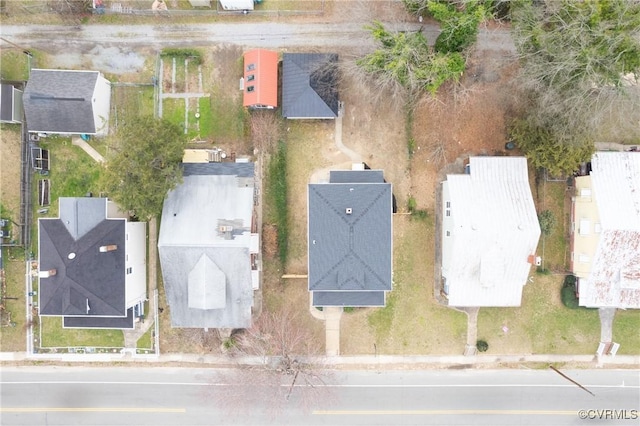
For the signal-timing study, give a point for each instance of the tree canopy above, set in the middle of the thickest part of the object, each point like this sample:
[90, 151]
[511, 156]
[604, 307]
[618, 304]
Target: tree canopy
[580, 64]
[406, 59]
[544, 150]
[144, 165]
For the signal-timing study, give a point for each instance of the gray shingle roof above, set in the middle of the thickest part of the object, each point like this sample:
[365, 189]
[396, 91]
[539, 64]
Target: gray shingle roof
[6, 102]
[309, 85]
[198, 261]
[60, 101]
[350, 240]
[90, 275]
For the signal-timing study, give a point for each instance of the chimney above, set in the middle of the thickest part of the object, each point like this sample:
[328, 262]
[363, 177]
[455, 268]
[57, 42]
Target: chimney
[111, 247]
[47, 274]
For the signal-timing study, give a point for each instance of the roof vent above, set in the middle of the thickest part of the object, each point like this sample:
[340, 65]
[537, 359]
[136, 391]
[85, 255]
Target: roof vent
[71, 256]
[225, 228]
[349, 210]
[111, 247]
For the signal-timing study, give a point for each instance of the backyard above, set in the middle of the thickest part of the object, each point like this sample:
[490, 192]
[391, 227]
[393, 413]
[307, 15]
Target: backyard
[470, 120]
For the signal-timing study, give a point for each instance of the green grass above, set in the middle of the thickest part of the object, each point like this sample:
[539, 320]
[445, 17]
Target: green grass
[54, 336]
[12, 339]
[145, 342]
[206, 117]
[129, 102]
[277, 194]
[625, 331]
[14, 65]
[542, 324]
[412, 321]
[73, 172]
[555, 244]
[228, 117]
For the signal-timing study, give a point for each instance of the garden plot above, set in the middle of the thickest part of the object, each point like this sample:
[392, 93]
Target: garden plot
[182, 97]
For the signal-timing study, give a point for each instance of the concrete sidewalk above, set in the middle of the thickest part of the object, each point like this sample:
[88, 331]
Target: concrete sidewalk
[363, 361]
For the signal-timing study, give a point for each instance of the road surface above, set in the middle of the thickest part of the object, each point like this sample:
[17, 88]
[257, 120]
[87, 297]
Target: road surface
[171, 396]
[57, 38]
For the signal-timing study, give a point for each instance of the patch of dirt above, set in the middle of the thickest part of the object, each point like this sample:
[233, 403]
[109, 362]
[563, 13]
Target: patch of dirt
[470, 120]
[269, 241]
[10, 170]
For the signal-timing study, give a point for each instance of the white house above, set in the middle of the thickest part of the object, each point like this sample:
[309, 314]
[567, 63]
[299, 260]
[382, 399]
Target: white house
[490, 232]
[605, 232]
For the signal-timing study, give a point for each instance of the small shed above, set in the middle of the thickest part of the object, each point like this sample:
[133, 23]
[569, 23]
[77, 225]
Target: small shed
[310, 86]
[10, 104]
[260, 80]
[236, 4]
[200, 3]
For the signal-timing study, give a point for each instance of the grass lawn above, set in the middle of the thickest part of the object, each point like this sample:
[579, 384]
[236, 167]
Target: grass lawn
[73, 172]
[12, 339]
[626, 328]
[541, 325]
[228, 117]
[554, 247]
[304, 155]
[145, 342]
[130, 102]
[412, 322]
[54, 336]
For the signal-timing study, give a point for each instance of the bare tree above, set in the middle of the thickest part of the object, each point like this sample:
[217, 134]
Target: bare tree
[288, 372]
[71, 11]
[265, 130]
[580, 64]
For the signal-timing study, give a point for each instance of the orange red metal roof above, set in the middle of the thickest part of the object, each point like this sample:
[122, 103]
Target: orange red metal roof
[261, 78]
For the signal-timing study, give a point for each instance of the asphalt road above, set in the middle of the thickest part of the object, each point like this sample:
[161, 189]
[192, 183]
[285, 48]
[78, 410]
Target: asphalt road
[170, 396]
[57, 38]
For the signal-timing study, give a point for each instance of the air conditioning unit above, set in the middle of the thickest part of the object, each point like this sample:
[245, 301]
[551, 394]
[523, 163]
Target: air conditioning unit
[538, 260]
[225, 228]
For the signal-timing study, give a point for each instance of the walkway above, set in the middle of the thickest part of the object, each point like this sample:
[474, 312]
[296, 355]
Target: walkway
[606, 324]
[78, 141]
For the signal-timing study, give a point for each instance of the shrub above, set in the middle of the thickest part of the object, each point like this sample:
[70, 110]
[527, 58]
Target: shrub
[568, 295]
[412, 206]
[193, 55]
[570, 281]
[543, 271]
[547, 222]
[348, 309]
[482, 345]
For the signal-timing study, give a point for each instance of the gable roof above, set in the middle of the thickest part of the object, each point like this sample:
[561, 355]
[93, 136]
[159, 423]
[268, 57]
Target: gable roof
[87, 281]
[614, 279]
[309, 85]
[61, 101]
[260, 78]
[350, 239]
[493, 229]
[205, 246]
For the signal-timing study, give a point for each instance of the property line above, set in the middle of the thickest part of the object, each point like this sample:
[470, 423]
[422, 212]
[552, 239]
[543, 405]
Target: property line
[90, 410]
[441, 412]
[322, 385]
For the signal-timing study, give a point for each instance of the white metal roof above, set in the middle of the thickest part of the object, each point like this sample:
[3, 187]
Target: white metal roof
[614, 280]
[495, 230]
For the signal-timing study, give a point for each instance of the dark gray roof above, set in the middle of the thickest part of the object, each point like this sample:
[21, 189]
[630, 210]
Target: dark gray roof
[92, 276]
[350, 240]
[356, 176]
[352, 299]
[59, 101]
[219, 169]
[309, 85]
[6, 102]
[123, 323]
